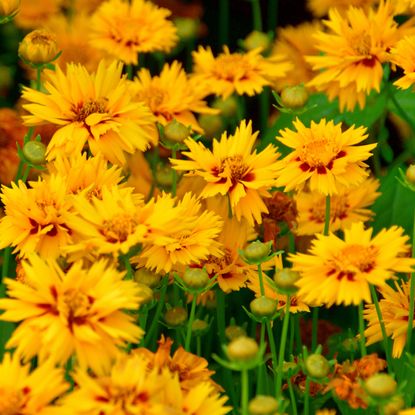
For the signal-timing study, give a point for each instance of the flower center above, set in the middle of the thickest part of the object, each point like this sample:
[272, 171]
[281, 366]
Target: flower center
[90, 107]
[119, 228]
[351, 260]
[231, 67]
[123, 397]
[10, 401]
[235, 169]
[75, 306]
[361, 44]
[339, 206]
[216, 265]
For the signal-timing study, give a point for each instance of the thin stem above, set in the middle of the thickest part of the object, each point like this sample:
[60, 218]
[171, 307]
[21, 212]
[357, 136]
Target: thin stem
[6, 260]
[245, 392]
[327, 216]
[272, 14]
[261, 280]
[199, 346]
[402, 112]
[282, 346]
[38, 78]
[362, 331]
[261, 383]
[256, 15]
[411, 296]
[314, 328]
[382, 327]
[174, 172]
[223, 22]
[273, 350]
[307, 396]
[189, 324]
[292, 397]
[298, 341]
[129, 69]
[128, 267]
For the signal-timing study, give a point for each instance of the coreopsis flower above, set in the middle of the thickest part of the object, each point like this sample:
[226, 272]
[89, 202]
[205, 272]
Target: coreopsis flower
[172, 95]
[323, 156]
[354, 49]
[191, 369]
[348, 206]
[126, 28]
[36, 217]
[35, 13]
[79, 312]
[394, 306]
[243, 73]
[38, 47]
[29, 393]
[403, 6]
[339, 272]
[403, 55]
[91, 108]
[108, 224]
[296, 42]
[234, 171]
[178, 232]
[320, 8]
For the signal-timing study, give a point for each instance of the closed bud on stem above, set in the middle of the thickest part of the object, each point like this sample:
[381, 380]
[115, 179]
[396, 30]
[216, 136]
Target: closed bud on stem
[176, 132]
[147, 277]
[380, 385]
[146, 294]
[256, 40]
[35, 152]
[263, 405]
[294, 97]
[317, 366]
[410, 173]
[227, 107]
[263, 307]
[38, 47]
[285, 280]
[242, 349]
[175, 316]
[186, 28]
[8, 8]
[199, 327]
[257, 251]
[196, 278]
[394, 405]
[212, 124]
[233, 332]
[164, 176]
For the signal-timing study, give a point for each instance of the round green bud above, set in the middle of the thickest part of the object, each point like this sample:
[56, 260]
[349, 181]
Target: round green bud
[257, 251]
[263, 307]
[146, 294]
[199, 327]
[242, 349]
[350, 344]
[227, 107]
[294, 97]
[394, 405]
[317, 366]
[196, 278]
[263, 405]
[147, 277]
[175, 316]
[233, 332]
[212, 124]
[34, 152]
[410, 173]
[164, 175]
[286, 278]
[176, 132]
[256, 40]
[380, 385]
[186, 27]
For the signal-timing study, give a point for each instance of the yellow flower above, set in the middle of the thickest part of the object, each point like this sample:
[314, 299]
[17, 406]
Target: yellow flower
[178, 233]
[395, 312]
[339, 272]
[326, 412]
[35, 13]
[78, 312]
[403, 55]
[324, 156]
[125, 29]
[22, 392]
[354, 49]
[348, 206]
[36, 218]
[39, 46]
[319, 8]
[109, 224]
[172, 95]
[232, 170]
[9, 7]
[296, 42]
[91, 108]
[243, 73]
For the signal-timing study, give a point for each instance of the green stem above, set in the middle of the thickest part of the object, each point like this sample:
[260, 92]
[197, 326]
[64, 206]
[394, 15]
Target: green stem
[271, 341]
[174, 172]
[402, 112]
[264, 105]
[314, 328]
[293, 400]
[362, 331]
[128, 267]
[261, 280]
[327, 216]
[256, 15]
[282, 346]
[6, 261]
[155, 321]
[307, 396]
[38, 78]
[129, 69]
[245, 392]
[298, 340]
[199, 346]
[261, 383]
[382, 327]
[291, 341]
[411, 296]
[189, 324]
[223, 22]
[272, 14]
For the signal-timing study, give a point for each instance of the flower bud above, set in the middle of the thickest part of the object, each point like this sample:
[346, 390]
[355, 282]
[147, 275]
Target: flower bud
[285, 280]
[256, 40]
[257, 251]
[38, 47]
[199, 327]
[294, 97]
[146, 294]
[164, 175]
[410, 174]
[34, 151]
[394, 405]
[196, 278]
[380, 385]
[242, 349]
[233, 332]
[8, 8]
[147, 277]
[227, 107]
[186, 28]
[317, 366]
[176, 132]
[263, 405]
[175, 316]
[263, 307]
[212, 124]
